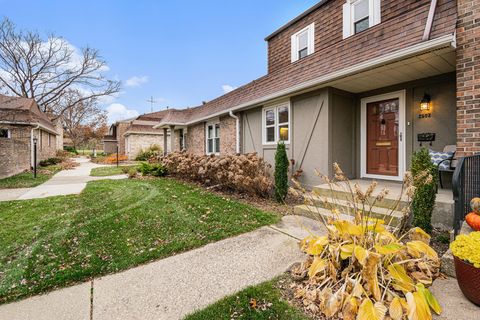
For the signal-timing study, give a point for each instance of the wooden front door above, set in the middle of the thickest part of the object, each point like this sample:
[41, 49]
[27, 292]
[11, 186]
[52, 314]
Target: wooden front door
[383, 137]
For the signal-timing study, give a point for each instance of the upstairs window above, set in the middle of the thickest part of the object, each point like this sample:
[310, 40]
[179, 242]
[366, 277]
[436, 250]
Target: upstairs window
[276, 124]
[359, 15]
[4, 133]
[303, 43]
[213, 138]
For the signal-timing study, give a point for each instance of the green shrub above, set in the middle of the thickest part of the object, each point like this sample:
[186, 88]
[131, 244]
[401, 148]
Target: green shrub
[70, 149]
[424, 174]
[281, 173]
[132, 172]
[50, 161]
[152, 169]
[153, 151]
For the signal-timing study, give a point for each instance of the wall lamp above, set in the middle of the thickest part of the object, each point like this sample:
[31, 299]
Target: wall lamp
[425, 103]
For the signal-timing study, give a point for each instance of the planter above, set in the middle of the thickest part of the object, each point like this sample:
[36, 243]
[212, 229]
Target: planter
[468, 278]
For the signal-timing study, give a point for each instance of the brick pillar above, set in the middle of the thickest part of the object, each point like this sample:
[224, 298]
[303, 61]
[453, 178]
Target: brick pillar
[468, 77]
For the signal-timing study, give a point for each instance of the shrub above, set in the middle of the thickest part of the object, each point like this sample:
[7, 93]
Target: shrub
[110, 159]
[281, 172]
[152, 169]
[246, 173]
[465, 247]
[424, 175]
[153, 151]
[70, 149]
[132, 172]
[50, 161]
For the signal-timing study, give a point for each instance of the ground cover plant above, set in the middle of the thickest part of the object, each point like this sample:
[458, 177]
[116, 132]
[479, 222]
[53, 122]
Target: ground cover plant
[366, 268]
[254, 303]
[110, 159]
[25, 180]
[110, 226]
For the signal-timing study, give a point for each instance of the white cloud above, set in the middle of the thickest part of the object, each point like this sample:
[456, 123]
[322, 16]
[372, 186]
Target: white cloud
[117, 111]
[227, 88]
[136, 81]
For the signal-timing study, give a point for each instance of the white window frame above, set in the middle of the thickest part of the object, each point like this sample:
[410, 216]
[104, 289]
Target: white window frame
[9, 134]
[276, 125]
[374, 15]
[213, 124]
[310, 29]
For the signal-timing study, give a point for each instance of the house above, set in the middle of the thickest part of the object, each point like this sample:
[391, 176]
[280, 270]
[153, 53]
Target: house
[134, 135]
[363, 83]
[21, 121]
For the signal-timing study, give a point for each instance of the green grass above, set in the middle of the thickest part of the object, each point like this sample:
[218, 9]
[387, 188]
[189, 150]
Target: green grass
[108, 171]
[270, 305]
[26, 179]
[110, 226]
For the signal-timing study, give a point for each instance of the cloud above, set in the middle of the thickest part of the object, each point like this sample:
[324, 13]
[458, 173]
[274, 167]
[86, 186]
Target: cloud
[227, 88]
[117, 111]
[136, 81]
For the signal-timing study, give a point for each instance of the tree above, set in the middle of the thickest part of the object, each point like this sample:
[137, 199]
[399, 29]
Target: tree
[281, 172]
[85, 122]
[47, 70]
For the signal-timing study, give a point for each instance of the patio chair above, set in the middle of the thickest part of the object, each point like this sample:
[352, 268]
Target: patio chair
[444, 160]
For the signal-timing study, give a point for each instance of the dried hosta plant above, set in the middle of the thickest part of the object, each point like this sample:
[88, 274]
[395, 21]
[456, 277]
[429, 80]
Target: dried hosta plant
[366, 268]
[247, 173]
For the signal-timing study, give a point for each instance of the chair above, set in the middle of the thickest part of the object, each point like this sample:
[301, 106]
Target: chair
[445, 160]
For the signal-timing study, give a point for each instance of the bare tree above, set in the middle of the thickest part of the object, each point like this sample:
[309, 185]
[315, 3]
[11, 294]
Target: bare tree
[85, 121]
[45, 70]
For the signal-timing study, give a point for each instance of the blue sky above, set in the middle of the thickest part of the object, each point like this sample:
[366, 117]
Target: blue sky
[179, 52]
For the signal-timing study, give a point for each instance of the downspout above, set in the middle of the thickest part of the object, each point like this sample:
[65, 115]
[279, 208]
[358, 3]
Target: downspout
[431, 15]
[237, 126]
[31, 144]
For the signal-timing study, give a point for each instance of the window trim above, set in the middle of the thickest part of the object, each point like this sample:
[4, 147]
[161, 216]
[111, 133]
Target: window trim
[277, 125]
[214, 124]
[310, 29]
[9, 134]
[348, 16]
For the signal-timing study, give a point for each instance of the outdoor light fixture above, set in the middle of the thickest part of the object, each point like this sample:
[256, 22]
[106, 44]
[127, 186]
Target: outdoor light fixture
[425, 103]
[35, 140]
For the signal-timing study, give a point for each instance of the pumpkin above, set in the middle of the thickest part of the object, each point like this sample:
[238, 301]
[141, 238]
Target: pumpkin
[473, 220]
[475, 205]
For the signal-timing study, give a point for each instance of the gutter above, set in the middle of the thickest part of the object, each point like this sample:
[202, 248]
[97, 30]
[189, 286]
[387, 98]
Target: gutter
[431, 15]
[419, 48]
[38, 126]
[237, 126]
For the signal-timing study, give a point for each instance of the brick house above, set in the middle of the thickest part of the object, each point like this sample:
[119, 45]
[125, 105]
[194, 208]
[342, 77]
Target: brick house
[134, 135]
[21, 120]
[358, 82]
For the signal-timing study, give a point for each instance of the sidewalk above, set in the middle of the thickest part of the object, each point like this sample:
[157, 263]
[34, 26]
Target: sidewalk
[176, 286]
[63, 183]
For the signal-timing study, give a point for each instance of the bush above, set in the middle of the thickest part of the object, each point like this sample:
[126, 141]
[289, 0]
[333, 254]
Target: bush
[132, 172]
[281, 173]
[110, 159]
[153, 151]
[152, 169]
[424, 174]
[50, 161]
[70, 149]
[246, 173]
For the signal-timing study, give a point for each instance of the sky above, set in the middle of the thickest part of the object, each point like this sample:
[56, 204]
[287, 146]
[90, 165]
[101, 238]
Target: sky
[178, 52]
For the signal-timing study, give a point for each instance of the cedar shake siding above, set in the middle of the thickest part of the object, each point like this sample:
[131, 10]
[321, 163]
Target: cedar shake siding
[468, 77]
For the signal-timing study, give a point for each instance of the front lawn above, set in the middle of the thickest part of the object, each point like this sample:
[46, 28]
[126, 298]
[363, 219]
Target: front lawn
[254, 303]
[26, 179]
[110, 226]
[108, 171]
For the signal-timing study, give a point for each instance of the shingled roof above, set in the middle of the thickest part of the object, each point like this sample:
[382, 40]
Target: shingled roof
[19, 110]
[145, 122]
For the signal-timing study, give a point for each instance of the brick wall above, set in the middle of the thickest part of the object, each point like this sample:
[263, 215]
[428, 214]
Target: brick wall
[46, 145]
[468, 77]
[137, 142]
[196, 139]
[228, 135]
[121, 129]
[15, 151]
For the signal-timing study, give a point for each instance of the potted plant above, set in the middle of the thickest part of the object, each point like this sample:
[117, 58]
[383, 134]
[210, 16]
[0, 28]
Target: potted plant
[466, 253]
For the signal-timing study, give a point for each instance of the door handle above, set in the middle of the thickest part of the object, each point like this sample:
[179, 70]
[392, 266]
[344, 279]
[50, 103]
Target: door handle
[401, 136]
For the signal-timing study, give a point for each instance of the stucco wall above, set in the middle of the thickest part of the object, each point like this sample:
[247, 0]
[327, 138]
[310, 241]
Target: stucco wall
[134, 143]
[196, 139]
[15, 151]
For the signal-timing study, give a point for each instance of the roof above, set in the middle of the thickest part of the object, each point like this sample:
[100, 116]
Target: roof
[299, 17]
[145, 122]
[23, 111]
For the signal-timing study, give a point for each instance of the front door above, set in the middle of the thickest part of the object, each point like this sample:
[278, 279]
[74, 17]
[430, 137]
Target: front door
[383, 137]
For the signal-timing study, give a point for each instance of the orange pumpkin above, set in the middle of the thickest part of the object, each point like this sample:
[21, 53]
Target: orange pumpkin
[475, 205]
[473, 220]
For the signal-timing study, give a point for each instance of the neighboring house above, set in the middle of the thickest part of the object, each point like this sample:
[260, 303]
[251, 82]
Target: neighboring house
[345, 83]
[20, 121]
[135, 135]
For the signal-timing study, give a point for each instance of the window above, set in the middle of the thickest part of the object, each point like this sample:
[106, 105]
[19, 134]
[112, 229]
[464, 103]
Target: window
[276, 124]
[303, 43]
[4, 133]
[213, 138]
[359, 15]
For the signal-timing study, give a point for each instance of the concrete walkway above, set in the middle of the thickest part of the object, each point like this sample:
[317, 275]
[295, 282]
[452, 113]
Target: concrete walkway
[63, 183]
[176, 286]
